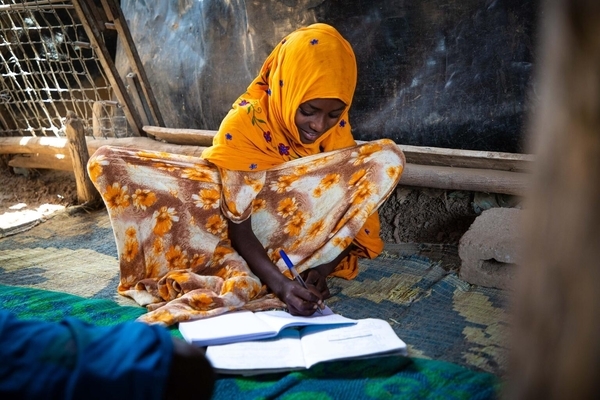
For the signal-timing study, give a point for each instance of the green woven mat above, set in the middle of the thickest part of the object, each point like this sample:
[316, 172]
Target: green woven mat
[379, 378]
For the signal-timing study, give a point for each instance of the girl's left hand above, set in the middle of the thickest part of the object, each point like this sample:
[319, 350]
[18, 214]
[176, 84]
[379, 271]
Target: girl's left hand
[314, 277]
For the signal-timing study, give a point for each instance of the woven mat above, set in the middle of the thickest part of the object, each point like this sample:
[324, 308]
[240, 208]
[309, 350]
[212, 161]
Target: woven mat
[413, 286]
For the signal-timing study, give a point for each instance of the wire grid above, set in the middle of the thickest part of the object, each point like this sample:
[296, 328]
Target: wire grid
[48, 67]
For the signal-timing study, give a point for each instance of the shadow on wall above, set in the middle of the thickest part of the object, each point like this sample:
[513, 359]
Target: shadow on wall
[444, 73]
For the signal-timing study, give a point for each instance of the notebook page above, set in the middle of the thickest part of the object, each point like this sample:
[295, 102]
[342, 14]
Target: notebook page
[281, 352]
[368, 337]
[279, 320]
[225, 328]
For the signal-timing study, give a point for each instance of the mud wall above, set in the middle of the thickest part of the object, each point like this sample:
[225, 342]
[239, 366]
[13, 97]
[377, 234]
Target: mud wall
[444, 73]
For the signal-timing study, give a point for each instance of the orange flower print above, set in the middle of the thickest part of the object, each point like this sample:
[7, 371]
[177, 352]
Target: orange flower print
[176, 258]
[116, 197]
[255, 184]
[356, 177]
[220, 253]
[197, 261]
[315, 230]
[151, 155]
[258, 204]
[365, 152]
[287, 207]
[301, 170]
[284, 183]
[131, 245]
[95, 166]
[165, 167]
[163, 220]
[153, 269]
[127, 281]
[365, 189]
[394, 172]
[353, 212]
[143, 199]
[342, 242]
[131, 249]
[295, 224]
[199, 173]
[158, 246]
[232, 208]
[207, 199]
[328, 181]
[216, 224]
[201, 301]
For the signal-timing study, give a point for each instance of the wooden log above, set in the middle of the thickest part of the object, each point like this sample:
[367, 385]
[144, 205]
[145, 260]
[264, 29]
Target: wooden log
[450, 178]
[468, 158]
[470, 179]
[55, 145]
[414, 154]
[61, 162]
[192, 137]
[86, 192]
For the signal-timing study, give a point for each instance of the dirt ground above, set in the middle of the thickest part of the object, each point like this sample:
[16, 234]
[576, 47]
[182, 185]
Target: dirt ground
[410, 215]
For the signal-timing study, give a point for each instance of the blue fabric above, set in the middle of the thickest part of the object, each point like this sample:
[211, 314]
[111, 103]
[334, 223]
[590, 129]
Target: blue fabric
[73, 359]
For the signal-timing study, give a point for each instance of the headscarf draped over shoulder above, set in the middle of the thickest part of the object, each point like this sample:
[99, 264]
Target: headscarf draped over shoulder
[259, 131]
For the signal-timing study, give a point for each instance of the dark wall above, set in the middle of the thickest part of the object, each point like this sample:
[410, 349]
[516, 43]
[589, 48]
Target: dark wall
[443, 73]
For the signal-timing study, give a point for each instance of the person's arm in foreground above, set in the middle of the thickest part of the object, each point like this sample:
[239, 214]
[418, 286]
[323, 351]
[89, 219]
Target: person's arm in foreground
[299, 300]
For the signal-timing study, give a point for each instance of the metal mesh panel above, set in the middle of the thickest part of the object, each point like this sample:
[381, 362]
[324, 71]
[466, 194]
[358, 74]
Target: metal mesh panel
[48, 67]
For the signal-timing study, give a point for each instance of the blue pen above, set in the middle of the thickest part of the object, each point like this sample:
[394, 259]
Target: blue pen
[295, 273]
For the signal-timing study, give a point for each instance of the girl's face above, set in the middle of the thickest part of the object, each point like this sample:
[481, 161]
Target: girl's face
[315, 117]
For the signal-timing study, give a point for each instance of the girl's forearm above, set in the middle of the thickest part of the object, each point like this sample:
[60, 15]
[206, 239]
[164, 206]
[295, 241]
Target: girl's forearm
[245, 242]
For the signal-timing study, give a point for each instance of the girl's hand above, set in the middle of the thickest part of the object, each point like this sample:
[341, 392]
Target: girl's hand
[300, 301]
[314, 277]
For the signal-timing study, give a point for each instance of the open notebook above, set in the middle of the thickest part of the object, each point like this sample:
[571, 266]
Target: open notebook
[295, 349]
[246, 325]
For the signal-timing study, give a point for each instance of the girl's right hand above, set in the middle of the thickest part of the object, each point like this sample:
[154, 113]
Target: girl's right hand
[299, 300]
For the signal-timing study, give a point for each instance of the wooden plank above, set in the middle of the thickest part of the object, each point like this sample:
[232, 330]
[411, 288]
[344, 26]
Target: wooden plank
[61, 162]
[467, 158]
[56, 145]
[93, 33]
[439, 177]
[113, 11]
[414, 154]
[181, 136]
[470, 179]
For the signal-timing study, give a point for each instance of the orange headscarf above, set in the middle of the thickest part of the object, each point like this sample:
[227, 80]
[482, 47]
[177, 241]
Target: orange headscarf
[259, 131]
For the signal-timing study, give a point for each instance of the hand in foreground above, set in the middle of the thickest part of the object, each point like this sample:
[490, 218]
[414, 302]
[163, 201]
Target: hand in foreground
[299, 300]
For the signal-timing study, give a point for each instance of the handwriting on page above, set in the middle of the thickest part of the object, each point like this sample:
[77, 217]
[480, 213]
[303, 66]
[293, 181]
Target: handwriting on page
[336, 337]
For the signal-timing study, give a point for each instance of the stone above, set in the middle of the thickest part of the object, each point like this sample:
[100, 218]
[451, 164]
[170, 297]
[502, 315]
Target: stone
[491, 249]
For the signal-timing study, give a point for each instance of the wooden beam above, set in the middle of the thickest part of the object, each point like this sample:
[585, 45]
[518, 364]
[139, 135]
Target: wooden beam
[93, 33]
[61, 162]
[414, 154]
[56, 145]
[470, 179]
[191, 137]
[114, 13]
[77, 146]
[439, 177]
[468, 158]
